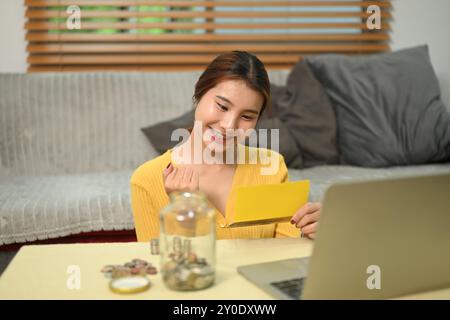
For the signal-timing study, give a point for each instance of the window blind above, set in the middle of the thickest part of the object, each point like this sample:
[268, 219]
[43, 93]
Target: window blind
[185, 35]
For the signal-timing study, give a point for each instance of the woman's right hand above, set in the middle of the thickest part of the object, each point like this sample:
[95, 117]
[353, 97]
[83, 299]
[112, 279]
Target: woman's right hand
[180, 179]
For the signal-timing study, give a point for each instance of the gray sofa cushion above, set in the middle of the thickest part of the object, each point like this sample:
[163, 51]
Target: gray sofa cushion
[308, 114]
[388, 106]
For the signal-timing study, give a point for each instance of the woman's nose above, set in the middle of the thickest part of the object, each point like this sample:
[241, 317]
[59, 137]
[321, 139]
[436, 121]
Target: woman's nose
[229, 122]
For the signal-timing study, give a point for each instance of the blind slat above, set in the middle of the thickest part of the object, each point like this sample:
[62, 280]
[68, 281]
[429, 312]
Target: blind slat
[146, 59]
[207, 25]
[192, 48]
[129, 37]
[44, 14]
[122, 3]
[117, 67]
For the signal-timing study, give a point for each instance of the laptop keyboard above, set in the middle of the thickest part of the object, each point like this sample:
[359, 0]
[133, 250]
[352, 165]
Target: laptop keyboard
[292, 288]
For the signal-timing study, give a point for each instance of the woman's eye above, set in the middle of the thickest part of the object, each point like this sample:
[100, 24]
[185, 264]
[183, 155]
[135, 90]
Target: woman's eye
[248, 118]
[221, 107]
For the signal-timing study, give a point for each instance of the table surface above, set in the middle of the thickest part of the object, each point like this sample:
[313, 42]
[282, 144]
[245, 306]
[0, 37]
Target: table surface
[41, 271]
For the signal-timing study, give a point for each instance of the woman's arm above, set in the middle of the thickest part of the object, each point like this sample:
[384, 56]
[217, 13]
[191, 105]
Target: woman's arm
[146, 219]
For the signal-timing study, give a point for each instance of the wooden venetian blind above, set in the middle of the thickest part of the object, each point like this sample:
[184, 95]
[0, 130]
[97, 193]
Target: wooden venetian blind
[178, 35]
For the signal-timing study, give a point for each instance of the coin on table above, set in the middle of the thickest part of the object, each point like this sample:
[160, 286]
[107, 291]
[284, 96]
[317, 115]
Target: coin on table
[135, 270]
[107, 269]
[192, 257]
[119, 272]
[139, 262]
[151, 270]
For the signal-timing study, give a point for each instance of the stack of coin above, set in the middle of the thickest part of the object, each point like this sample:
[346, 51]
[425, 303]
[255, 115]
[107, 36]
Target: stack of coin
[133, 268]
[187, 272]
[154, 246]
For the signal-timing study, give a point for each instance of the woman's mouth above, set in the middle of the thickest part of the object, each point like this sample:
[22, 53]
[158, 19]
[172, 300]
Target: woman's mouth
[219, 137]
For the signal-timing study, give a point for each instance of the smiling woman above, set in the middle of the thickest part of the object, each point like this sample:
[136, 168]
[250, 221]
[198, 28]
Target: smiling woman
[229, 98]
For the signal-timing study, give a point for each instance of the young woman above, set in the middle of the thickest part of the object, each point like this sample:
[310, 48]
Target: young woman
[231, 94]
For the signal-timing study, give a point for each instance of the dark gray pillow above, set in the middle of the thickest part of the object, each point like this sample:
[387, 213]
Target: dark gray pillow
[388, 107]
[309, 116]
[270, 120]
[159, 134]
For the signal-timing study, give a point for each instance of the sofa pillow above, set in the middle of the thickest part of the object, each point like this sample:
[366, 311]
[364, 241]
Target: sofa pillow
[309, 116]
[388, 106]
[160, 133]
[270, 120]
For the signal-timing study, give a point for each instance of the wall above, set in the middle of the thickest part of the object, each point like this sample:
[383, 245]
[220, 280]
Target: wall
[12, 36]
[425, 22]
[415, 22]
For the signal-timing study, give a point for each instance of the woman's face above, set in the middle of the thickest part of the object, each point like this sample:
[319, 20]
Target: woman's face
[228, 106]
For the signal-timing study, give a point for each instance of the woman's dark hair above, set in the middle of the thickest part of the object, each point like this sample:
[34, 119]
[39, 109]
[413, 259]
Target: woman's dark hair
[235, 65]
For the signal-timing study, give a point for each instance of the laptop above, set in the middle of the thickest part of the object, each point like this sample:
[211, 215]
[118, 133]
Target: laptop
[376, 240]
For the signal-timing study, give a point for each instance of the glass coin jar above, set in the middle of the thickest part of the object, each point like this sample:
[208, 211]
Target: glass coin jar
[188, 242]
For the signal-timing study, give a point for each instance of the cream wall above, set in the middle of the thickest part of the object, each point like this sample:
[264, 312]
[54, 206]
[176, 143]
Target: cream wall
[12, 36]
[425, 22]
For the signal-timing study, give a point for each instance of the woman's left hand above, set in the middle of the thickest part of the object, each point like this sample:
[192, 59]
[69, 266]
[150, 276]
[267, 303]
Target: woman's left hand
[307, 219]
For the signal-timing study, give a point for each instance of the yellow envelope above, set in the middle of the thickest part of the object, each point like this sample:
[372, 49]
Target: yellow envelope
[263, 204]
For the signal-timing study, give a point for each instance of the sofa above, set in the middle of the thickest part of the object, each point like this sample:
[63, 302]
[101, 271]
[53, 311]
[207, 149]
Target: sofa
[69, 143]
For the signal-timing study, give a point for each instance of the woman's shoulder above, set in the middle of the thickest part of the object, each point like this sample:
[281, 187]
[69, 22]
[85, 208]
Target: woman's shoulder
[150, 170]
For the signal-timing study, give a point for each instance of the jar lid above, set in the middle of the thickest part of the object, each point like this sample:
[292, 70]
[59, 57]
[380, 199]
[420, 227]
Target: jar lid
[131, 284]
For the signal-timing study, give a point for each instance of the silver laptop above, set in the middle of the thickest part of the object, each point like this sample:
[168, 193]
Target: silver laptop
[376, 240]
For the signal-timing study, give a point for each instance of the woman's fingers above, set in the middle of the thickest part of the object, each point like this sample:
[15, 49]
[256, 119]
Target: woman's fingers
[180, 179]
[308, 219]
[310, 228]
[187, 177]
[173, 177]
[194, 184]
[168, 170]
[308, 208]
[312, 236]
[169, 178]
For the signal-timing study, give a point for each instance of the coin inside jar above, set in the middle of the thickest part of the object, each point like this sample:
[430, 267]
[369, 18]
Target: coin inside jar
[187, 273]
